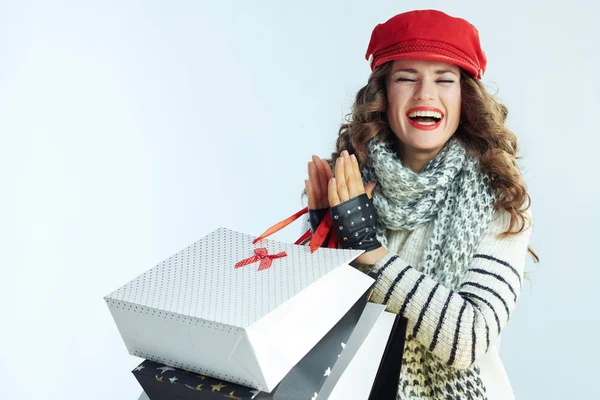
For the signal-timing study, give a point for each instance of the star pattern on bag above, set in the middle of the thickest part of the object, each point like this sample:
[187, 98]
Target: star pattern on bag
[165, 369]
[217, 387]
[343, 347]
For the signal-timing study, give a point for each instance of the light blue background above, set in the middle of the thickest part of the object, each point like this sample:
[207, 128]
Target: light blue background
[131, 129]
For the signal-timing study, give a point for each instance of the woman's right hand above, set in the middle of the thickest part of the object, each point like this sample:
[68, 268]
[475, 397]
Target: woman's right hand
[319, 174]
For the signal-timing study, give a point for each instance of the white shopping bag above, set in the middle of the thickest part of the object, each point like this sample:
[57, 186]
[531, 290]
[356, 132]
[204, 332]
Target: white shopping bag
[248, 324]
[354, 375]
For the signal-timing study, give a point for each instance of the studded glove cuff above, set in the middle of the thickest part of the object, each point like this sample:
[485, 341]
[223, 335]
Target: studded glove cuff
[354, 222]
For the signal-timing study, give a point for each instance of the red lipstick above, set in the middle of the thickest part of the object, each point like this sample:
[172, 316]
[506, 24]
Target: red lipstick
[423, 127]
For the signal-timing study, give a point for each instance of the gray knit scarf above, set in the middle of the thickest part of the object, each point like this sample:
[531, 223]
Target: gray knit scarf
[455, 196]
[451, 191]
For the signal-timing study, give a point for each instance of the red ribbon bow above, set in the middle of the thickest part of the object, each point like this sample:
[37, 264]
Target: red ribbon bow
[263, 255]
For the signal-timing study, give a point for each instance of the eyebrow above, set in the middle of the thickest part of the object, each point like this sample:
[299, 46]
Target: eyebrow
[414, 71]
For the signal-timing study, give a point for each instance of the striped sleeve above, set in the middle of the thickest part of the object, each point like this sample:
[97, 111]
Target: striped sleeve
[458, 326]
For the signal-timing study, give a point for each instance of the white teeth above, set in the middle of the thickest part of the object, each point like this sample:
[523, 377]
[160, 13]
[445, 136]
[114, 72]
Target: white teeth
[427, 123]
[425, 114]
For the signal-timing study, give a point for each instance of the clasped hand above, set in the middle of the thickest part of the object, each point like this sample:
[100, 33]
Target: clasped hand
[355, 223]
[324, 190]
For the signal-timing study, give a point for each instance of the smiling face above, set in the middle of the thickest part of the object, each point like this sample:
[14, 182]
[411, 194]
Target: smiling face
[424, 100]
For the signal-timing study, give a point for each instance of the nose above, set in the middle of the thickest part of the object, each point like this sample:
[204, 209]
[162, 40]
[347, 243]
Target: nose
[425, 90]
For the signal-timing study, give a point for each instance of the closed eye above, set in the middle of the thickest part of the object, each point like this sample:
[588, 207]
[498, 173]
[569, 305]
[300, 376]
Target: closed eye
[414, 80]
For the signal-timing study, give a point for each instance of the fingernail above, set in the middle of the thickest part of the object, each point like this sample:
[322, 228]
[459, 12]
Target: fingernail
[353, 157]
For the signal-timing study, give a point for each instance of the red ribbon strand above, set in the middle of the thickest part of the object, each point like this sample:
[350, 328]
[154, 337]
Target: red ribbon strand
[316, 240]
[280, 225]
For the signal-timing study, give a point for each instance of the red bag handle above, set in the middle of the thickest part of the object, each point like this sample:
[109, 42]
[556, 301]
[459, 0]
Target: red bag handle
[317, 239]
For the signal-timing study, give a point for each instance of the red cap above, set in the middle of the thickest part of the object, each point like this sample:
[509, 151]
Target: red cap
[428, 35]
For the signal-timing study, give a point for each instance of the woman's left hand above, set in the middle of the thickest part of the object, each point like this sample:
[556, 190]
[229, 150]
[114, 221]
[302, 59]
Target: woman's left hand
[347, 183]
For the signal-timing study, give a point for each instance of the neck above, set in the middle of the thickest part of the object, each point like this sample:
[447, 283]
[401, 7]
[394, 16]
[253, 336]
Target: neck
[416, 159]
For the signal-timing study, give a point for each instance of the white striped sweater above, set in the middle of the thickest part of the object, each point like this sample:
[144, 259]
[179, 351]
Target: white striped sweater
[456, 325]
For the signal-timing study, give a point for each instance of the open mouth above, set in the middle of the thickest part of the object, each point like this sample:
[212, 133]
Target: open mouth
[425, 119]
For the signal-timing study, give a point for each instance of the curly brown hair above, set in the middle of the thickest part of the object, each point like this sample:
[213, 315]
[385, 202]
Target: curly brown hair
[481, 129]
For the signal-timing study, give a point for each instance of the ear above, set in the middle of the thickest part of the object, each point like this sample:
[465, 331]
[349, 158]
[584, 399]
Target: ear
[369, 188]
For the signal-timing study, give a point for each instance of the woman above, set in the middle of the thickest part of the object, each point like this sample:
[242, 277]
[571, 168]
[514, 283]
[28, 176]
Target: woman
[427, 149]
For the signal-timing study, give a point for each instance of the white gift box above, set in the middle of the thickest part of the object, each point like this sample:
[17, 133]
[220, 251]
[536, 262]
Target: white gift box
[197, 311]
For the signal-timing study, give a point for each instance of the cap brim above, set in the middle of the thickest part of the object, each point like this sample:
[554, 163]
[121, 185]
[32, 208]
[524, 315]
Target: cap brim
[422, 55]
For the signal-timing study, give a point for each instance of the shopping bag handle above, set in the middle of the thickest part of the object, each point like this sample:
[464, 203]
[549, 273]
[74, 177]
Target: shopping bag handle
[316, 240]
[385, 386]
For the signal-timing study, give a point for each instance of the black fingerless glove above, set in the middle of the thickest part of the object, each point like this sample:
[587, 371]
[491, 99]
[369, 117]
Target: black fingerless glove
[354, 223]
